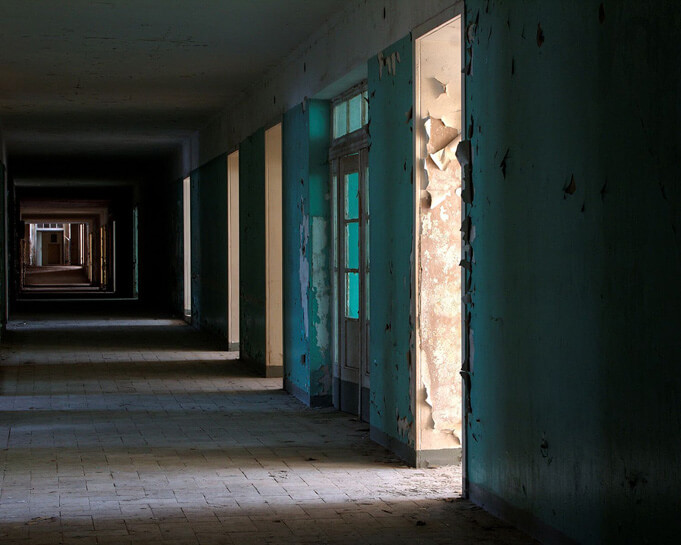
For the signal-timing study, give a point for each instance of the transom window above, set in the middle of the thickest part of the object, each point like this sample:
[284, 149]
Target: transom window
[351, 113]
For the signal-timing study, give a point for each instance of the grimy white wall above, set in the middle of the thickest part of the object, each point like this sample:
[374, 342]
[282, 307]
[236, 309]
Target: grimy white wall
[329, 61]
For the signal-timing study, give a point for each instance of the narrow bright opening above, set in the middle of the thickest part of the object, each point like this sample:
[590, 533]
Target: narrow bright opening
[273, 243]
[186, 222]
[438, 123]
[233, 248]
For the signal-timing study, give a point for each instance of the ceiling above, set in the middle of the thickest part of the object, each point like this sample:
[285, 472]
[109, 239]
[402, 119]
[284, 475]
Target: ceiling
[135, 76]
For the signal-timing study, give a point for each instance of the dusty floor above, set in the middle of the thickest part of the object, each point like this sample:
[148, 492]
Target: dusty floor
[140, 430]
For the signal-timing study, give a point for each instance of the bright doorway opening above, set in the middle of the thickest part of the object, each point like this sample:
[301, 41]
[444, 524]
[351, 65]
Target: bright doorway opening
[274, 319]
[187, 238]
[438, 126]
[233, 250]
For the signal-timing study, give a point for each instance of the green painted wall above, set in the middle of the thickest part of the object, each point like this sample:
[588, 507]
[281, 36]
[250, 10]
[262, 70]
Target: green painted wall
[252, 247]
[576, 292]
[306, 249]
[391, 237]
[209, 246]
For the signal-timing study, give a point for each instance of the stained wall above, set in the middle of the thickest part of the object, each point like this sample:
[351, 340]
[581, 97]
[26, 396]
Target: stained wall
[307, 248]
[573, 112]
[252, 297]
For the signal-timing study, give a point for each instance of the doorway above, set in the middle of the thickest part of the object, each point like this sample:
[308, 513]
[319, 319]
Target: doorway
[353, 270]
[233, 250]
[274, 317]
[350, 176]
[438, 250]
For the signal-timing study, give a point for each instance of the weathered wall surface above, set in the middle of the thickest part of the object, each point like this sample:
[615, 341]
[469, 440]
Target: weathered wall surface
[209, 239]
[320, 249]
[573, 109]
[391, 194]
[295, 241]
[438, 124]
[306, 252]
[252, 247]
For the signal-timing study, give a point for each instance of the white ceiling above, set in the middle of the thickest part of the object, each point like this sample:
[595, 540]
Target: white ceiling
[123, 76]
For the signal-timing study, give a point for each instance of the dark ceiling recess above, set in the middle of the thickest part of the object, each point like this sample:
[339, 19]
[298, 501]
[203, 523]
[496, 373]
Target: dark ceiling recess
[122, 77]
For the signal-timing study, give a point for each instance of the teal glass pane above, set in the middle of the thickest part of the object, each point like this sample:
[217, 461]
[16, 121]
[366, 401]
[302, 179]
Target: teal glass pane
[340, 119]
[352, 196]
[355, 111]
[352, 295]
[365, 108]
[335, 221]
[352, 246]
[366, 192]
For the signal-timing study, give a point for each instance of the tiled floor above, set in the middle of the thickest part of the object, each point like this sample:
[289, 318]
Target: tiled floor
[139, 430]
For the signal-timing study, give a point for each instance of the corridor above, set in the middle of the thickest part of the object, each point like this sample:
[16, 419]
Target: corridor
[139, 429]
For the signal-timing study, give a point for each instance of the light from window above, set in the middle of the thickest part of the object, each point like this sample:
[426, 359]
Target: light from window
[350, 115]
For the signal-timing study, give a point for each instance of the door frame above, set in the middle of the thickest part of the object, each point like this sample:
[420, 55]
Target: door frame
[419, 32]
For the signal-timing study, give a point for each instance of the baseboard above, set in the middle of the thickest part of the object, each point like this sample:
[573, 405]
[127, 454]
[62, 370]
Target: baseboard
[519, 518]
[274, 371]
[400, 449]
[438, 457]
[345, 397]
[303, 396]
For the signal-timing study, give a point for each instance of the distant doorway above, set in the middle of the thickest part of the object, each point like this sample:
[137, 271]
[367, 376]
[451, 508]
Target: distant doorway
[52, 258]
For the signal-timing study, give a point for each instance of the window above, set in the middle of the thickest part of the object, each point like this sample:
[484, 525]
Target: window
[350, 113]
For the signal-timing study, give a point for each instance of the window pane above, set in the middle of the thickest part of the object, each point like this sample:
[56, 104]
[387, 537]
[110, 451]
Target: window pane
[365, 108]
[340, 119]
[334, 208]
[352, 246]
[352, 295]
[355, 106]
[352, 196]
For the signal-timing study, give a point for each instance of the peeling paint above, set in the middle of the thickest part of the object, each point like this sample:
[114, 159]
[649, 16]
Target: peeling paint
[304, 270]
[391, 194]
[439, 242]
[320, 289]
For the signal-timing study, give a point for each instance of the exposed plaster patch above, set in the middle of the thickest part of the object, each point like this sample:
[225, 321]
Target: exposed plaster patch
[320, 284]
[304, 270]
[404, 426]
[440, 281]
[389, 62]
